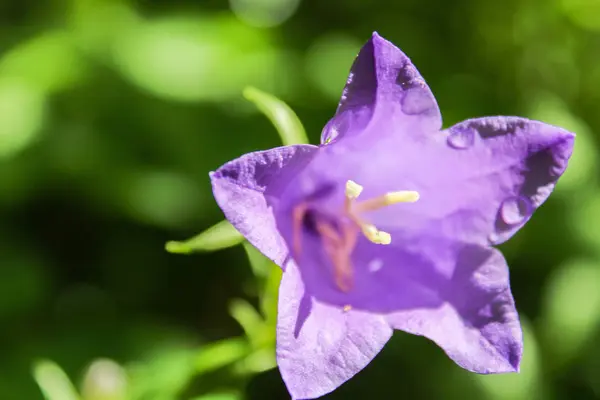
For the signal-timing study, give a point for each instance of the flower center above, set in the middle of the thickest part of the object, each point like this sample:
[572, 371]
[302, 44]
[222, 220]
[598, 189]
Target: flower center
[339, 240]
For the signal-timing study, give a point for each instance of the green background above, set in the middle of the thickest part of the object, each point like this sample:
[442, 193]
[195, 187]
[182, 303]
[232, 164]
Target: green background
[112, 113]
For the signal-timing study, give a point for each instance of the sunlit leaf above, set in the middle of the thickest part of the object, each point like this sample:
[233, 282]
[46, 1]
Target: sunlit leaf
[260, 360]
[261, 265]
[219, 236]
[220, 396]
[286, 122]
[220, 354]
[22, 114]
[104, 380]
[163, 374]
[49, 62]
[328, 61]
[584, 13]
[264, 13]
[250, 320]
[53, 382]
[197, 58]
[270, 294]
[584, 214]
[269, 275]
[571, 313]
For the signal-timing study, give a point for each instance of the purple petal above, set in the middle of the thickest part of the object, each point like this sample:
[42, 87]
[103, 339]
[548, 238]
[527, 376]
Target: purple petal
[518, 163]
[248, 188]
[383, 83]
[479, 181]
[320, 346]
[477, 326]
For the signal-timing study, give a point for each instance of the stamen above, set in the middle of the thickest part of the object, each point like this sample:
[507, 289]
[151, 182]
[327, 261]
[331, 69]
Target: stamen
[347, 308]
[388, 199]
[353, 209]
[339, 241]
[353, 190]
[376, 236]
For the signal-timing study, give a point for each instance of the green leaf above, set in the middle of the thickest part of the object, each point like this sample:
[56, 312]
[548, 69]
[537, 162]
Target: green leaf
[259, 361]
[217, 237]
[250, 320]
[220, 354]
[269, 297]
[286, 122]
[261, 265]
[53, 381]
[219, 396]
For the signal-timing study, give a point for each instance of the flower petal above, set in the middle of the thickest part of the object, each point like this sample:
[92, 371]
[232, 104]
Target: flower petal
[517, 163]
[479, 181]
[321, 346]
[249, 187]
[478, 325]
[383, 81]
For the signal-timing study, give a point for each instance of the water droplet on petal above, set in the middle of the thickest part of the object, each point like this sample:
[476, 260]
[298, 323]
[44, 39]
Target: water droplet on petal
[461, 138]
[375, 264]
[515, 210]
[416, 102]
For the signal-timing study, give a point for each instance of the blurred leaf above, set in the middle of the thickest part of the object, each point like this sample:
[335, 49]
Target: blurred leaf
[23, 280]
[571, 313]
[53, 381]
[328, 62]
[286, 122]
[583, 217]
[97, 24]
[270, 295]
[219, 396]
[250, 320]
[104, 380]
[269, 275]
[163, 374]
[258, 361]
[264, 13]
[163, 198]
[197, 58]
[220, 354]
[219, 236]
[22, 114]
[261, 265]
[585, 13]
[49, 62]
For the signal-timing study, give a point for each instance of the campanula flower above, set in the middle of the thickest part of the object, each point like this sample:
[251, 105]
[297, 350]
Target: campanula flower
[390, 224]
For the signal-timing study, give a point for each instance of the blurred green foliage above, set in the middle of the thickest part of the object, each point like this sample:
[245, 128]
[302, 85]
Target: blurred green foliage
[112, 113]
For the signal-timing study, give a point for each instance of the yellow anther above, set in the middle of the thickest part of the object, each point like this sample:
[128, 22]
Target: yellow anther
[353, 189]
[383, 238]
[347, 307]
[402, 196]
[376, 236]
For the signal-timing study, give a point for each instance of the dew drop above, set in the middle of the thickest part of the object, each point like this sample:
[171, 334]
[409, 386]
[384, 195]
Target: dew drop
[461, 138]
[416, 101]
[515, 210]
[375, 264]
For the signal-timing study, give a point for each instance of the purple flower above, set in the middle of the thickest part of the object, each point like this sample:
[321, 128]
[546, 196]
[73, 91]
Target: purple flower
[389, 224]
